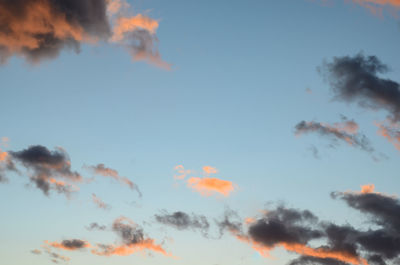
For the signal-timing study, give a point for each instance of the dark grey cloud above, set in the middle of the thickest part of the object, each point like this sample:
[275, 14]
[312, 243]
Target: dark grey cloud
[73, 244]
[50, 169]
[357, 79]
[183, 221]
[284, 225]
[96, 226]
[38, 29]
[306, 260]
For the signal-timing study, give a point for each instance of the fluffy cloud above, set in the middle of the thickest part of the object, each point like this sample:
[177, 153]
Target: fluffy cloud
[324, 242]
[51, 170]
[40, 29]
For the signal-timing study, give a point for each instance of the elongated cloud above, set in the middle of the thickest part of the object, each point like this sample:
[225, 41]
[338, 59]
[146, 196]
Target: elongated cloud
[104, 171]
[40, 29]
[132, 240]
[357, 79]
[99, 203]
[51, 170]
[346, 131]
[324, 242]
[210, 170]
[70, 245]
[183, 221]
[377, 6]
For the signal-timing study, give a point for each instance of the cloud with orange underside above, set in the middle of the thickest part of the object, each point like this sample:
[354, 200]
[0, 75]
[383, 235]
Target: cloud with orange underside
[182, 172]
[126, 250]
[210, 170]
[69, 245]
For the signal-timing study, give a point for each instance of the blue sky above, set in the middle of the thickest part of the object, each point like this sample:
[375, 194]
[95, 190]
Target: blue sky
[237, 88]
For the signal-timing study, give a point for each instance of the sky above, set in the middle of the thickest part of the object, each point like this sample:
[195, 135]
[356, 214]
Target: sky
[199, 132]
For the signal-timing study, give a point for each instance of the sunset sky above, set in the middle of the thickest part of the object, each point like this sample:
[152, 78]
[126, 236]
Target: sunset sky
[158, 132]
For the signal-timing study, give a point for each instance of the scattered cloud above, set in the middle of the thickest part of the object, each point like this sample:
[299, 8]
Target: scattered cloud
[132, 240]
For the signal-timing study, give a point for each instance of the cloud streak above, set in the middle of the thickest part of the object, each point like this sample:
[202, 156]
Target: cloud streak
[346, 131]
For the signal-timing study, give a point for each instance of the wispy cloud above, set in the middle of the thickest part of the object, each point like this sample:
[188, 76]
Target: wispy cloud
[104, 171]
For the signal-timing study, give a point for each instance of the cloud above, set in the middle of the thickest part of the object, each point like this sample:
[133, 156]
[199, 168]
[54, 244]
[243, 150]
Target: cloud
[183, 221]
[376, 6]
[96, 226]
[206, 186]
[324, 242]
[99, 203]
[390, 130]
[182, 172]
[345, 131]
[209, 186]
[36, 251]
[210, 170]
[70, 245]
[356, 79]
[51, 170]
[132, 240]
[104, 171]
[40, 29]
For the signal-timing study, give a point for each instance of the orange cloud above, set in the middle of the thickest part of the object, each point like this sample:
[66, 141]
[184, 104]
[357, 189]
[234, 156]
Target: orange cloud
[181, 171]
[209, 186]
[210, 170]
[114, 6]
[304, 250]
[369, 188]
[126, 250]
[3, 155]
[124, 25]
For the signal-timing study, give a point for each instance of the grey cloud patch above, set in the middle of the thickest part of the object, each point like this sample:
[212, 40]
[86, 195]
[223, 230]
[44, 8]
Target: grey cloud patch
[306, 260]
[96, 226]
[182, 221]
[357, 79]
[73, 244]
[50, 168]
[284, 225]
